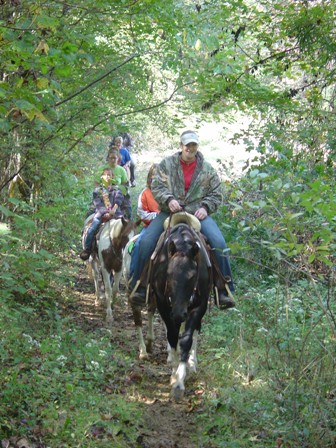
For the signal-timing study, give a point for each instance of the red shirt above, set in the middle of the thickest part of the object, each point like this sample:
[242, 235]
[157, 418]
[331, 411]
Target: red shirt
[188, 171]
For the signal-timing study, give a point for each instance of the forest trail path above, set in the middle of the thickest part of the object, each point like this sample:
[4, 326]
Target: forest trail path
[165, 423]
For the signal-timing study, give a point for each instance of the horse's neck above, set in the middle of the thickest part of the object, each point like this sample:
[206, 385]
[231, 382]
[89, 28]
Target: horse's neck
[114, 228]
[118, 230]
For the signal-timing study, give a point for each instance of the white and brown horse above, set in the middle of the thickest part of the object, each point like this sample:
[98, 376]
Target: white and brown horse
[106, 259]
[145, 344]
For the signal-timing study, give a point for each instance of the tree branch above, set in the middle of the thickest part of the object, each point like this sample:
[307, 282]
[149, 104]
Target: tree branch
[132, 112]
[96, 81]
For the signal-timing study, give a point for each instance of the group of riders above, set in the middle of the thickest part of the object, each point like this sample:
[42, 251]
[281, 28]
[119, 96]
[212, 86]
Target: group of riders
[183, 182]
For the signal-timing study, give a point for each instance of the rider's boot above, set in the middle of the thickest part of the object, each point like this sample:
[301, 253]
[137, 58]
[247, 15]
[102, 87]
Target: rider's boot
[85, 254]
[138, 295]
[224, 301]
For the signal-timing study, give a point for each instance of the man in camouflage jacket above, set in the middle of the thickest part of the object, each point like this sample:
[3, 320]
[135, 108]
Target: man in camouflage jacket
[185, 181]
[204, 189]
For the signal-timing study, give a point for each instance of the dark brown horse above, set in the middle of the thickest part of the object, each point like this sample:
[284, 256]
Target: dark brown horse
[180, 282]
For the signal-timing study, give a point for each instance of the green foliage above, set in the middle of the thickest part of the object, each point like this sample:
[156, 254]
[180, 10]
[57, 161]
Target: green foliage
[74, 74]
[273, 362]
[54, 379]
[283, 219]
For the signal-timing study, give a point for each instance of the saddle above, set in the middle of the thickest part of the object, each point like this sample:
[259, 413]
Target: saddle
[217, 278]
[87, 224]
[182, 217]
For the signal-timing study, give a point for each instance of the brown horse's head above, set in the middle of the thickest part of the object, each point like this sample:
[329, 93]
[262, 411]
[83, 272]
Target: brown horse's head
[183, 258]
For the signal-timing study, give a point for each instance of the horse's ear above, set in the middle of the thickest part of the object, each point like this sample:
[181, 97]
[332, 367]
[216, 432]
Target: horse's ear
[172, 247]
[195, 249]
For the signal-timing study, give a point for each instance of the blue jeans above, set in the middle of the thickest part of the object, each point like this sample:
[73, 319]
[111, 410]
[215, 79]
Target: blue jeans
[91, 233]
[135, 252]
[145, 245]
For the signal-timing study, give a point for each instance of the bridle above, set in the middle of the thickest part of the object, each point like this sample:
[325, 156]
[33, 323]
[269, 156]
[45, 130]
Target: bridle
[197, 261]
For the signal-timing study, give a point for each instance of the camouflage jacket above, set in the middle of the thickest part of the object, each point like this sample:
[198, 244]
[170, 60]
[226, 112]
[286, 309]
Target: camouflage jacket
[204, 190]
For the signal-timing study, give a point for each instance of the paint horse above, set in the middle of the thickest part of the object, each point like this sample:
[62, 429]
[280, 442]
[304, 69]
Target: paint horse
[106, 259]
[180, 282]
[145, 345]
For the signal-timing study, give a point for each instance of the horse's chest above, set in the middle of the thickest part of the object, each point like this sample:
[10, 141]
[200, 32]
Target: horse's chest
[112, 259]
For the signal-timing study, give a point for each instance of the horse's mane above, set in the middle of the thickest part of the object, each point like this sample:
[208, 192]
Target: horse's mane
[120, 225]
[184, 235]
[120, 230]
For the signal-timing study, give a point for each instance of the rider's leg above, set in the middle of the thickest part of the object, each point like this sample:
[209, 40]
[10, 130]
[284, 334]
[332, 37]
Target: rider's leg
[126, 207]
[91, 233]
[145, 247]
[216, 240]
[85, 254]
[132, 172]
[135, 253]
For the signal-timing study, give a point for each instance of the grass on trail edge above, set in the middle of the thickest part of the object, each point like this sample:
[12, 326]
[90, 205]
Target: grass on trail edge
[265, 379]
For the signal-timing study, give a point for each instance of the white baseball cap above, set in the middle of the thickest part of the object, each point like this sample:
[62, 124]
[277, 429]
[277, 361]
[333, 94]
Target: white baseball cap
[189, 137]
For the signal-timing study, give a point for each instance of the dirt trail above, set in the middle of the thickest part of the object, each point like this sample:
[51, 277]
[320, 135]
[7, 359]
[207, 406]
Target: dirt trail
[166, 424]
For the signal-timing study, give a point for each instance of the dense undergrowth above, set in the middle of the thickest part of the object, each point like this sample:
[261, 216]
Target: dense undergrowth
[273, 360]
[271, 381]
[271, 376]
[58, 382]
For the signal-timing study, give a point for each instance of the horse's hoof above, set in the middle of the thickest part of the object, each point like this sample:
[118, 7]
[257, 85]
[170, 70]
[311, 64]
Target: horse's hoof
[143, 356]
[177, 393]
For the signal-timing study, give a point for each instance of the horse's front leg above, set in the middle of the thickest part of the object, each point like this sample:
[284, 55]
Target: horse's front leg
[108, 296]
[145, 347]
[179, 369]
[186, 343]
[137, 317]
[97, 280]
[192, 360]
[116, 284]
[150, 332]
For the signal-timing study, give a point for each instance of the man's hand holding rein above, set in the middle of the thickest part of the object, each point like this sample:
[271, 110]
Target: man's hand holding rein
[174, 206]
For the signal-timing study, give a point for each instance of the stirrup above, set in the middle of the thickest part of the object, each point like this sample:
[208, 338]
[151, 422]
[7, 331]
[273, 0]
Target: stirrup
[135, 290]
